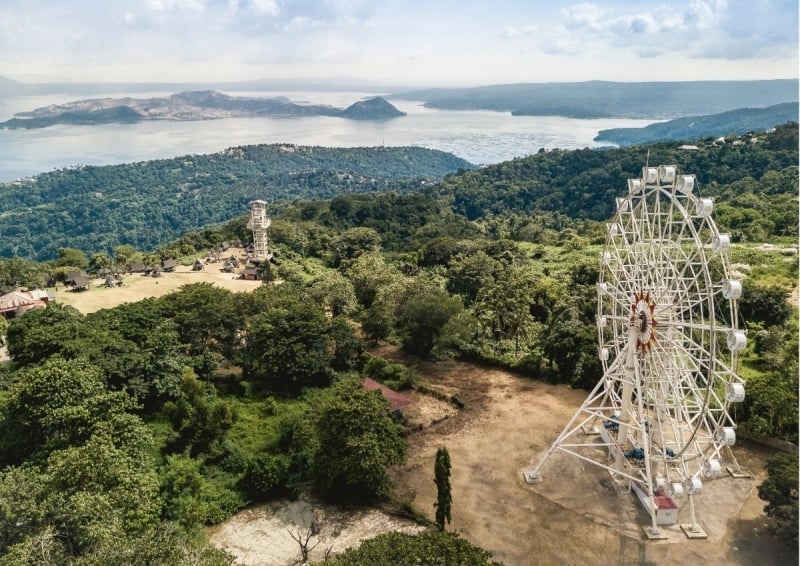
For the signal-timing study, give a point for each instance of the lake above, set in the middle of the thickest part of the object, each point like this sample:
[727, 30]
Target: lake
[481, 137]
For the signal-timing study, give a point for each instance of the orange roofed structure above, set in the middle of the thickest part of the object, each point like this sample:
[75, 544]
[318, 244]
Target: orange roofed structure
[396, 400]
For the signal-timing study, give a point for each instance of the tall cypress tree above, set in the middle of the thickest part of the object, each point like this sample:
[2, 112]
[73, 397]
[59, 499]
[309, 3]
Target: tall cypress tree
[444, 497]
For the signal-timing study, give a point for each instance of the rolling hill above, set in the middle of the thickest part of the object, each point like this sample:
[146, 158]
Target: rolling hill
[737, 122]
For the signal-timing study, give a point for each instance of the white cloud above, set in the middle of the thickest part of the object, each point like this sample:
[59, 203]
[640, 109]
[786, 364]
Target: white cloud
[697, 28]
[297, 23]
[171, 6]
[264, 7]
[586, 16]
[511, 32]
[145, 39]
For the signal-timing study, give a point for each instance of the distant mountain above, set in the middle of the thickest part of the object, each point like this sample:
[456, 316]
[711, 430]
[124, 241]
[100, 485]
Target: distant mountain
[371, 109]
[190, 105]
[12, 88]
[602, 99]
[738, 121]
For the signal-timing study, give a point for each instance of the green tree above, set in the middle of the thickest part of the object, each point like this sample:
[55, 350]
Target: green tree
[353, 243]
[17, 272]
[72, 257]
[370, 274]
[54, 406]
[100, 260]
[444, 496]
[469, 274]
[358, 441]
[124, 254]
[205, 316]
[333, 291]
[347, 345]
[765, 304]
[400, 549]
[288, 346]
[505, 305]
[42, 333]
[421, 317]
[780, 491]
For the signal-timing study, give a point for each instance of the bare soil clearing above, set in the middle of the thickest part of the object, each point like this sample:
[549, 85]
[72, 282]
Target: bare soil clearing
[260, 535]
[572, 517]
[138, 287]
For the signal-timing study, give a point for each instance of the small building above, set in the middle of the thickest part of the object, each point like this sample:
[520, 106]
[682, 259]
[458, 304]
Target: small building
[16, 303]
[250, 273]
[169, 265]
[397, 401]
[198, 265]
[79, 282]
[137, 267]
[73, 275]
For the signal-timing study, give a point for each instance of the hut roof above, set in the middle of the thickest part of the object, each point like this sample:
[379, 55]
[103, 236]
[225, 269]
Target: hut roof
[396, 400]
[73, 275]
[80, 281]
[16, 299]
[169, 264]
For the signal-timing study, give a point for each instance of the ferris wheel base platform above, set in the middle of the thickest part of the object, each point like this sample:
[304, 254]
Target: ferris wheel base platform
[532, 477]
[739, 472]
[651, 534]
[693, 532]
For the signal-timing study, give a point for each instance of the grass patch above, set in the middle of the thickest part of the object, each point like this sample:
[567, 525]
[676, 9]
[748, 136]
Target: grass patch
[256, 426]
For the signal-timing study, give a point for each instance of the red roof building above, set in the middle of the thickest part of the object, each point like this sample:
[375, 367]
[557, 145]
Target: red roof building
[396, 400]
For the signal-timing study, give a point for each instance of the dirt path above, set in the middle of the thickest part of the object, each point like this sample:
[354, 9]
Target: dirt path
[570, 518]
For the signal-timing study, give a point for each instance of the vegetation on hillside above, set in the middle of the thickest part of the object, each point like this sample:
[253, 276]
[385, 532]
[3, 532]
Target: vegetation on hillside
[123, 432]
[736, 122]
[95, 208]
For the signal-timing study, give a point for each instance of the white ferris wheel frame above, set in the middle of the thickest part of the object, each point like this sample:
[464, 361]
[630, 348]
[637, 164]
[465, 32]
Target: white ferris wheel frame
[667, 316]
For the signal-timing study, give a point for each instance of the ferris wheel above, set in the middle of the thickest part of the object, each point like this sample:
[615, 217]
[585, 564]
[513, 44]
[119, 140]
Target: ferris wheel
[667, 314]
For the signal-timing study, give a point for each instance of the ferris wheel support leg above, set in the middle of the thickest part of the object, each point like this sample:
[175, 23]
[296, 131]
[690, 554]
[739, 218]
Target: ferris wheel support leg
[535, 475]
[627, 393]
[693, 530]
[654, 530]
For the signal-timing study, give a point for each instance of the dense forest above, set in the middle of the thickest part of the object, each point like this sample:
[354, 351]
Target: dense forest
[145, 204]
[125, 431]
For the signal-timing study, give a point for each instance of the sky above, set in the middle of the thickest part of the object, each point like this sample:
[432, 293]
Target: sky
[397, 42]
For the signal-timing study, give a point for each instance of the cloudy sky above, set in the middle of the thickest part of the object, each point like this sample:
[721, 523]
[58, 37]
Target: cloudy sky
[398, 42]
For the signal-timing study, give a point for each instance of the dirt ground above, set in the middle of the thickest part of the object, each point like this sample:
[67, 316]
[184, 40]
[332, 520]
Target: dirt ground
[137, 287]
[260, 535]
[571, 517]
